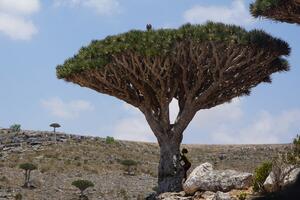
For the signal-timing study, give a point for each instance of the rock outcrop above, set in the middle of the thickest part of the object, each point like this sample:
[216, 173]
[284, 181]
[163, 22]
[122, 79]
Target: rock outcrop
[197, 196]
[291, 178]
[204, 178]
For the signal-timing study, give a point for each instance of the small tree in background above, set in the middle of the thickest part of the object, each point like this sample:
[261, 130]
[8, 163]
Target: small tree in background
[55, 126]
[129, 164]
[27, 167]
[82, 185]
[109, 140]
[281, 10]
[15, 128]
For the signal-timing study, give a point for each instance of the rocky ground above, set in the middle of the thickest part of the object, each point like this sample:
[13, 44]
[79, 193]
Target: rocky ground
[76, 157]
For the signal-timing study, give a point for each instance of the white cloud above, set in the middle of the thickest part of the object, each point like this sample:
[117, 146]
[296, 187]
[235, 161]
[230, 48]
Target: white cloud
[14, 21]
[24, 7]
[228, 112]
[237, 13]
[66, 110]
[16, 27]
[101, 7]
[134, 127]
[266, 128]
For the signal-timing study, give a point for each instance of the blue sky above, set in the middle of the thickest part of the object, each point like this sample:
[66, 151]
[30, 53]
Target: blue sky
[36, 36]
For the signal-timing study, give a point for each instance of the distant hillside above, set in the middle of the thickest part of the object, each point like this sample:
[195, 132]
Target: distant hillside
[77, 157]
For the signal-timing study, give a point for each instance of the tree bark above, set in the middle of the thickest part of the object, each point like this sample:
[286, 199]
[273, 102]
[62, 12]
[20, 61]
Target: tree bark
[26, 178]
[170, 172]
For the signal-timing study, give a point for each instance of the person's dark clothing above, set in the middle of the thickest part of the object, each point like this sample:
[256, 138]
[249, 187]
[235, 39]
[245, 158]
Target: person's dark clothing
[186, 165]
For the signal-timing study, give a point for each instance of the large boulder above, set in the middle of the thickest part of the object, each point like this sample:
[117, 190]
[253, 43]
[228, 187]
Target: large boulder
[291, 178]
[204, 178]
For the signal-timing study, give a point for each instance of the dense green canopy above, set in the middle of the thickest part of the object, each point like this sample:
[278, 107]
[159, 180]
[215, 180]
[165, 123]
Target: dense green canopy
[28, 166]
[161, 42]
[281, 10]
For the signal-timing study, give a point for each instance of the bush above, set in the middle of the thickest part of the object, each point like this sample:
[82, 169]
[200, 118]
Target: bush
[82, 185]
[296, 143]
[260, 175]
[15, 128]
[129, 164]
[284, 164]
[18, 196]
[242, 196]
[293, 156]
[110, 140]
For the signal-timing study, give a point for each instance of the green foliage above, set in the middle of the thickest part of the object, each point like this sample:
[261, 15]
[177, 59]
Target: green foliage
[124, 194]
[82, 185]
[15, 127]
[18, 196]
[293, 157]
[55, 125]
[109, 140]
[260, 6]
[242, 196]
[260, 175]
[129, 162]
[296, 144]
[162, 42]
[28, 166]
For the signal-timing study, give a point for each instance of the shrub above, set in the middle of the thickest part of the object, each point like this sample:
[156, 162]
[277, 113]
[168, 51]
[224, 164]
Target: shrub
[18, 196]
[242, 196]
[4, 179]
[82, 185]
[296, 143]
[260, 175]
[293, 156]
[110, 140]
[28, 167]
[284, 164]
[124, 194]
[129, 164]
[15, 128]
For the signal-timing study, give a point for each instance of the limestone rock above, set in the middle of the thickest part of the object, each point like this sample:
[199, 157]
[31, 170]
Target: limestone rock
[269, 182]
[208, 195]
[206, 179]
[174, 196]
[199, 171]
[222, 196]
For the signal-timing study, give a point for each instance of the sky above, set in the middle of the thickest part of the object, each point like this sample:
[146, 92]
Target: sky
[36, 36]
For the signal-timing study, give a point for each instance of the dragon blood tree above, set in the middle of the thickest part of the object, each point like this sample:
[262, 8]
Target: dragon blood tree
[201, 66]
[281, 10]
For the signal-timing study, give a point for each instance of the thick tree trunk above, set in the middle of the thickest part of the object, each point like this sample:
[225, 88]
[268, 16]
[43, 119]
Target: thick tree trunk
[170, 172]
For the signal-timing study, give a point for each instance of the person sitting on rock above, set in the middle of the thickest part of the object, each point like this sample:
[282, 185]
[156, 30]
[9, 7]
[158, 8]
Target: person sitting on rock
[186, 164]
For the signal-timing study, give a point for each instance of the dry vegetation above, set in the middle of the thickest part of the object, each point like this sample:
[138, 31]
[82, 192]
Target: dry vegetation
[93, 159]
